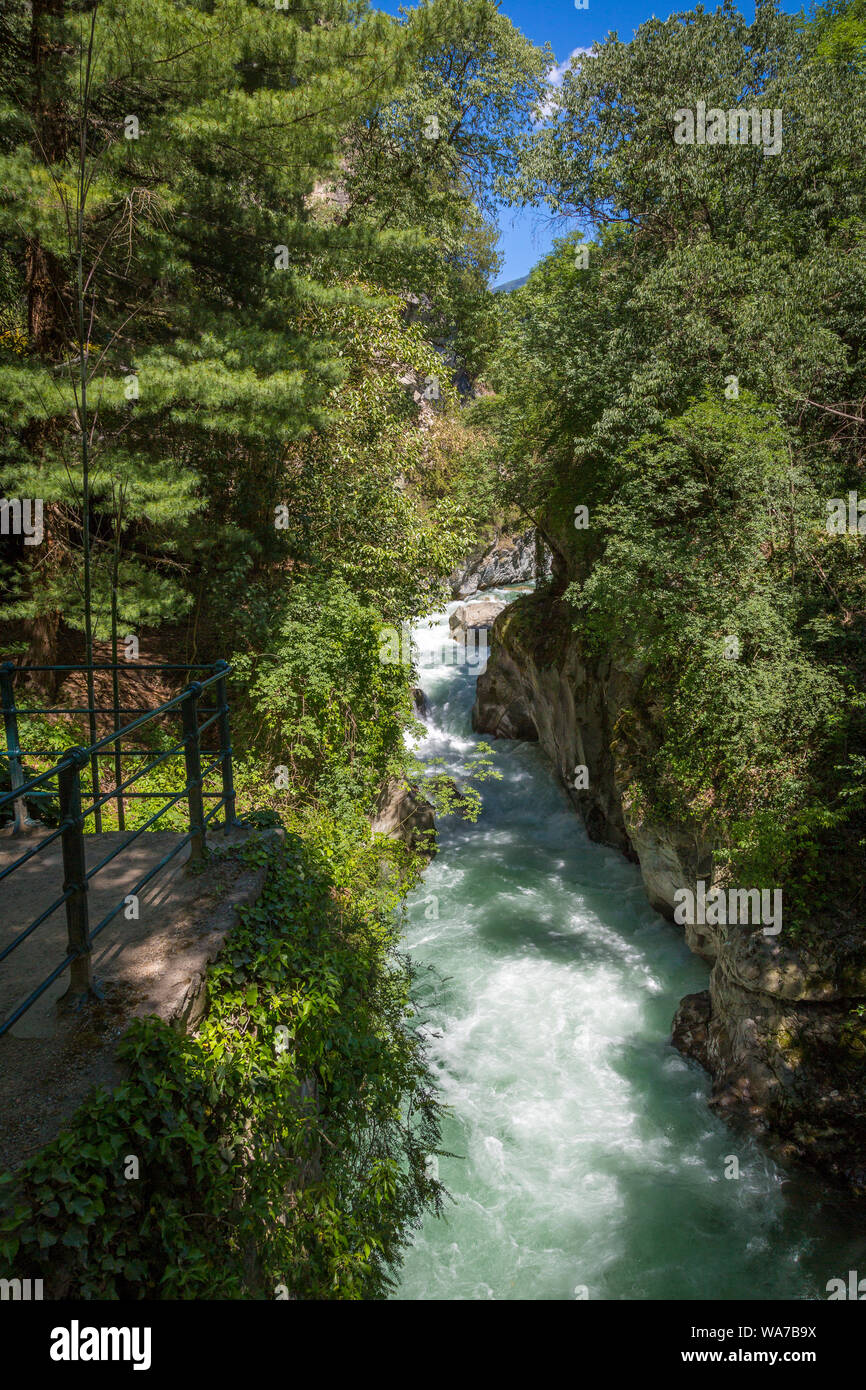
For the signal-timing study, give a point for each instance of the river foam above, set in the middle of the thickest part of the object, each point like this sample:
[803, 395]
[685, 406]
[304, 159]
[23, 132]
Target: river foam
[586, 1162]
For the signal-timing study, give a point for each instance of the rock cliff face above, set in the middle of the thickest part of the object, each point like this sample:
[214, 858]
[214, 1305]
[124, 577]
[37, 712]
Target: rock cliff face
[777, 1027]
[402, 813]
[504, 560]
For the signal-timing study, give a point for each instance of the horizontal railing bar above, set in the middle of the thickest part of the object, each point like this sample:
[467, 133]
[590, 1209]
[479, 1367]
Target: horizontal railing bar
[149, 795]
[132, 668]
[134, 836]
[94, 709]
[22, 936]
[31, 999]
[22, 859]
[142, 883]
[121, 787]
[108, 753]
[32, 795]
[84, 709]
[31, 753]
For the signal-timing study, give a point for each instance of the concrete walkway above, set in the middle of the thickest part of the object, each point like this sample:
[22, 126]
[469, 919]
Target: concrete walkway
[152, 964]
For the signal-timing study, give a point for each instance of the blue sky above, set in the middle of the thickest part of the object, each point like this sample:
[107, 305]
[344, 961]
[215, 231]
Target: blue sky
[525, 236]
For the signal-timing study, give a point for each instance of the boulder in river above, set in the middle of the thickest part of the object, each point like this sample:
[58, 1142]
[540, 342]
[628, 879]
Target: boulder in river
[474, 617]
[690, 1027]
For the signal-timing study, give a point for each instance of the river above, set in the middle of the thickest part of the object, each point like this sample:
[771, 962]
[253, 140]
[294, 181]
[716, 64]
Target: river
[587, 1163]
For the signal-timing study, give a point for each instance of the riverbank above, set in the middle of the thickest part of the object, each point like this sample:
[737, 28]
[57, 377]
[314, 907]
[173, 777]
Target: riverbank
[776, 1022]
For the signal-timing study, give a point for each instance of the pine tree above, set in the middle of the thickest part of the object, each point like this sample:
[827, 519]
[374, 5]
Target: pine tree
[158, 181]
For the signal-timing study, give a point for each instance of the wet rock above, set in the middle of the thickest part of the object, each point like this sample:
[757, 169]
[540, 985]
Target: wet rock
[474, 617]
[691, 1022]
[420, 703]
[500, 709]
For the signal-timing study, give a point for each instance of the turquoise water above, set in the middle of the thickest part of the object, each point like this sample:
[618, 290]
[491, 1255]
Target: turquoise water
[587, 1163]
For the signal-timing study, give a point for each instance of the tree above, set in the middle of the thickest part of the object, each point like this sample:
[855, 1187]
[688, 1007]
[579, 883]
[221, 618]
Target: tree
[696, 382]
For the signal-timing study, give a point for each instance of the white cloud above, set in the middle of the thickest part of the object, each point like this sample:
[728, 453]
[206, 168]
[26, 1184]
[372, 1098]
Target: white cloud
[554, 79]
[557, 73]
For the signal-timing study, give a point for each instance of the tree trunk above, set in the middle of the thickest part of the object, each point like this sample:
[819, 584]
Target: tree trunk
[48, 302]
[47, 283]
[42, 634]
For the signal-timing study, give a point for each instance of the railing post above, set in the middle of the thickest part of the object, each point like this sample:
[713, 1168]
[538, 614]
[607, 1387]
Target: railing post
[192, 753]
[21, 820]
[118, 761]
[225, 746]
[81, 985]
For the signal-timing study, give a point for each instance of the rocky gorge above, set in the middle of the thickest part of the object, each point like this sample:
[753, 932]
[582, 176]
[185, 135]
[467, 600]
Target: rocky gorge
[779, 1027]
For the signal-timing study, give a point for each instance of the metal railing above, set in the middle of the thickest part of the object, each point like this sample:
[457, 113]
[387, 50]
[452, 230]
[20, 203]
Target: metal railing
[70, 831]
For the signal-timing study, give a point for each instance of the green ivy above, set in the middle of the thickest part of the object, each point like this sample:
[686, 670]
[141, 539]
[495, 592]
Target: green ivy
[282, 1150]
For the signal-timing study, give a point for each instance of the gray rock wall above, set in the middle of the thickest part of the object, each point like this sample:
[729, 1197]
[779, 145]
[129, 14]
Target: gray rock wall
[504, 560]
